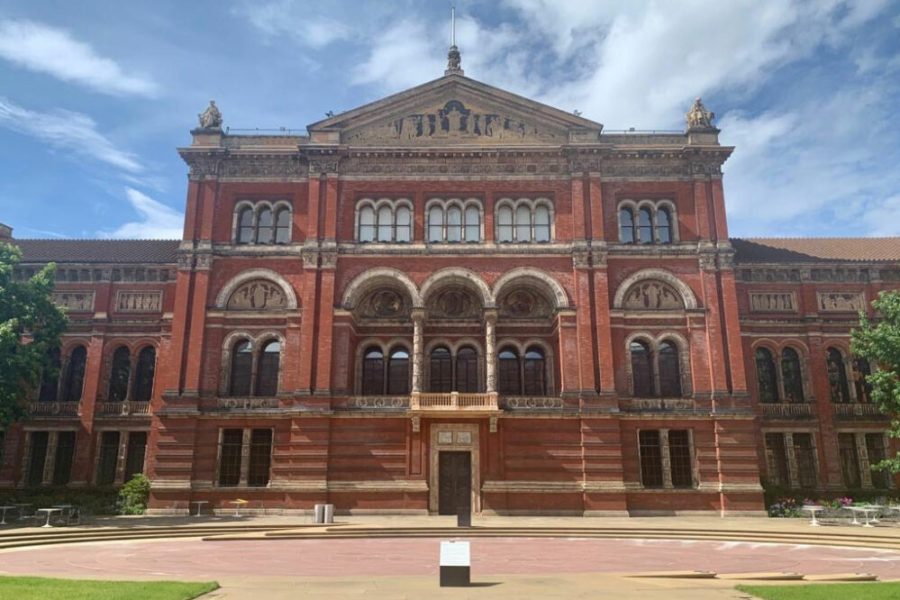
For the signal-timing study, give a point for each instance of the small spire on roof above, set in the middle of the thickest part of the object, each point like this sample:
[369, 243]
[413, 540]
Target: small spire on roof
[453, 56]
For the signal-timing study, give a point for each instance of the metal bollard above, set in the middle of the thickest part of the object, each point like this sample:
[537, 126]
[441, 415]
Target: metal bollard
[319, 513]
[328, 514]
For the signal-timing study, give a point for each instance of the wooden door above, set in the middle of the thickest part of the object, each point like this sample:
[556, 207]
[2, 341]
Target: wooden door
[454, 482]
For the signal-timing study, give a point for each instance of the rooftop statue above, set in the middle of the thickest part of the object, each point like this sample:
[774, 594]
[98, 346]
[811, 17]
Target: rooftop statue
[211, 118]
[698, 117]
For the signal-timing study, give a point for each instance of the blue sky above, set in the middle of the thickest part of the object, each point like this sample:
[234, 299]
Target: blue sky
[95, 96]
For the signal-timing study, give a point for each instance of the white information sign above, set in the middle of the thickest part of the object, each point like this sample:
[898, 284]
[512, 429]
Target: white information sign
[455, 554]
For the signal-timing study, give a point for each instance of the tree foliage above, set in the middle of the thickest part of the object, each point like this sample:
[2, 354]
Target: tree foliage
[30, 326]
[879, 343]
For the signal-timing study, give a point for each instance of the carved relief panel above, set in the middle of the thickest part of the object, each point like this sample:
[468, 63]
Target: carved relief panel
[139, 301]
[454, 303]
[841, 301]
[257, 295]
[524, 303]
[75, 301]
[384, 303]
[652, 295]
[773, 302]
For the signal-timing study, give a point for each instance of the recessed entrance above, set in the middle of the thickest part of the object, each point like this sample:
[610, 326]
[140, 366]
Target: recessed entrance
[455, 482]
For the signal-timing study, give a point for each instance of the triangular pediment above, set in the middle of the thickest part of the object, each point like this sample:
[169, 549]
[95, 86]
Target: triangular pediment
[454, 110]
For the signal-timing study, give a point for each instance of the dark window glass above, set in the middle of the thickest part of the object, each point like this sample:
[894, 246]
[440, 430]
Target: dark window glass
[108, 459]
[467, 370]
[535, 369]
[542, 224]
[241, 369]
[366, 224]
[651, 458]
[765, 376]
[230, 457]
[143, 376]
[849, 460]
[134, 455]
[264, 226]
[38, 457]
[441, 370]
[669, 371]
[804, 454]
[505, 224]
[65, 451]
[50, 378]
[626, 226]
[875, 450]
[119, 374]
[641, 370]
[776, 458]
[373, 372]
[680, 458]
[283, 226]
[645, 226]
[791, 376]
[245, 226]
[663, 226]
[74, 381]
[260, 457]
[398, 372]
[861, 370]
[837, 376]
[436, 224]
[267, 370]
[509, 381]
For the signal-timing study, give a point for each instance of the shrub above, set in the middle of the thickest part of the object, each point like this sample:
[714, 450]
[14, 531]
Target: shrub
[89, 500]
[133, 496]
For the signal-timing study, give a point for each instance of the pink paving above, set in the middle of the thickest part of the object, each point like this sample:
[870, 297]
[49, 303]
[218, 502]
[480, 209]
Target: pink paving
[196, 559]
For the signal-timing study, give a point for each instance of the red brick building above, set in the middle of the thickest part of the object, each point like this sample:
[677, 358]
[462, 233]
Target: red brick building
[453, 297]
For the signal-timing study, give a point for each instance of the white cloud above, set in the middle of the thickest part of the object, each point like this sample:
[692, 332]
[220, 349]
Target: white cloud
[157, 221]
[389, 66]
[69, 131]
[289, 18]
[46, 49]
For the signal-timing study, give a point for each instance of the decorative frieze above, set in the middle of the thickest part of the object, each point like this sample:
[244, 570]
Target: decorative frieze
[533, 402]
[769, 274]
[839, 275]
[773, 302]
[258, 294]
[841, 301]
[657, 404]
[381, 402]
[652, 295]
[75, 301]
[135, 301]
[248, 403]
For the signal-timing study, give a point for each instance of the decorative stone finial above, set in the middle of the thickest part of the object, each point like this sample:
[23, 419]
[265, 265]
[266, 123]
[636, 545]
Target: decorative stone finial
[700, 119]
[453, 56]
[211, 118]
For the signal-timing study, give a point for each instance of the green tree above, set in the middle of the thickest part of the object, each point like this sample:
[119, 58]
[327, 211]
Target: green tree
[30, 326]
[879, 343]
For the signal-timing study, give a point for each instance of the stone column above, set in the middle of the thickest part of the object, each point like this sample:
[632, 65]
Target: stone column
[490, 350]
[50, 459]
[791, 458]
[862, 455]
[666, 458]
[418, 319]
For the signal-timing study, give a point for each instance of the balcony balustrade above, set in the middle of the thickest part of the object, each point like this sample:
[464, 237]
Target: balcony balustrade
[787, 410]
[53, 409]
[856, 410]
[123, 409]
[453, 401]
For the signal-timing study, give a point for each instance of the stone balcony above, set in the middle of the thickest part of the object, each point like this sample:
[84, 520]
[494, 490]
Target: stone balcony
[53, 409]
[857, 410]
[453, 402]
[787, 410]
[123, 409]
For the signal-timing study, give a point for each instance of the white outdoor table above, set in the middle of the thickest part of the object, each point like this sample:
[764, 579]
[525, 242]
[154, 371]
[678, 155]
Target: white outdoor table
[199, 504]
[49, 512]
[865, 510]
[4, 509]
[812, 509]
[237, 506]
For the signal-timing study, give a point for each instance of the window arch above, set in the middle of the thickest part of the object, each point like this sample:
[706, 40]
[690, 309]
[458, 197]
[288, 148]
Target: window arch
[403, 232]
[366, 230]
[386, 221]
[119, 374]
[791, 375]
[143, 375]
[246, 233]
[837, 376]
[645, 226]
[524, 221]
[441, 370]
[466, 370]
[649, 222]
[262, 223]
[50, 379]
[508, 381]
[398, 372]
[373, 372]
[663, 226]
[453, 221]
[505, 224]
[863, 388]
[766, 377]
[472, 229]
[641, 369]
[669, 370]
[534, 372]
[626, 226]
[73, 383]
[267, 369]
[241, 368]
[264, 226]
[283, 226]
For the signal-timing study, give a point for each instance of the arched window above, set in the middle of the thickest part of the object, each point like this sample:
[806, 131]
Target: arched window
[663, 226]
[366, 224]
[669, 370]
[267, 369]
[645, 226]
[534, 373]
[837, 376]
[454, 224]
[245, 226]
[385, 224]
[523, 223]
[505, 224]
[626, 226]
[143, 375]
[264, 226]
[641, 370]
[398, 373]
[283, 226]
[542, 223]
[509, 381]
[404, 224]
[74, 380]
[473, 224]
[861, 370]
[373, 372]
[119, 374]
[466, 370]
[436, 224]
[441, 370]
[766, 377]
[241, 368]
[50, 379]
[791, 376]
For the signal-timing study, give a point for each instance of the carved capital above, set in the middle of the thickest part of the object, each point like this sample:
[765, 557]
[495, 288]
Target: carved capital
[416, 424]
[203, 262]
[185, 262]
[321, 165]
[581, 257]
[328, 258]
